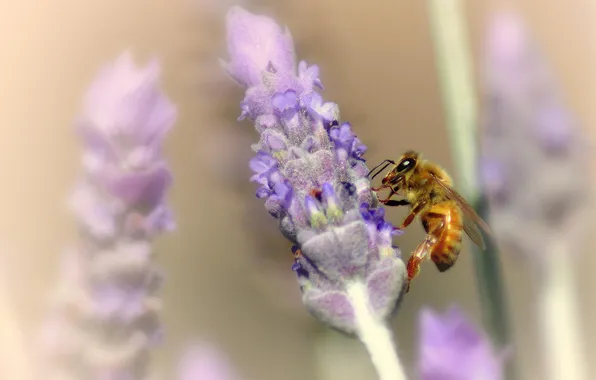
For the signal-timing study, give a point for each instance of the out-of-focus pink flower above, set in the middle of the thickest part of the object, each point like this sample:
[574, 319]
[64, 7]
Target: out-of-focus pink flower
[104, 315]
[452, 348]
[532, 149]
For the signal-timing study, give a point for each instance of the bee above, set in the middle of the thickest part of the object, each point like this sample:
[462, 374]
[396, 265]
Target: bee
[445, 214]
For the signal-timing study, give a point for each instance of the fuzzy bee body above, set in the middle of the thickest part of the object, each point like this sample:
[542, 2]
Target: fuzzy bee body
[444, 214]
[444, 222]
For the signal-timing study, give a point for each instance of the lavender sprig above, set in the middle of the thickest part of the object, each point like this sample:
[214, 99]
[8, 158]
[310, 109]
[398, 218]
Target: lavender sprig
[534, 161]
[104, 318]
[312, 177]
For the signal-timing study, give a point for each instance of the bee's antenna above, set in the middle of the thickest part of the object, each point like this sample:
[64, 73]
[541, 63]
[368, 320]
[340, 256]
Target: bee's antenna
[386, 162]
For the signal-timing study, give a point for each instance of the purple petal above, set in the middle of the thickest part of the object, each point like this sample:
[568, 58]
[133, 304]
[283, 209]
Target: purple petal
[328, 194]
[262, 162]
[309, 75]
[143, 189]
[283, 194]
[317, 109]
[286, 103]
[263, 192]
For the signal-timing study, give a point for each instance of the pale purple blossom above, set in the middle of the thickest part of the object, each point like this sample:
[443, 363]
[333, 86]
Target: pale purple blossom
[453, 348]
[104, 316]
[310, 172]
[533, 155]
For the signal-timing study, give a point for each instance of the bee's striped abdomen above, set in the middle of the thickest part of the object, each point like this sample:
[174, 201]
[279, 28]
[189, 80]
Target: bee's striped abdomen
[444, 222]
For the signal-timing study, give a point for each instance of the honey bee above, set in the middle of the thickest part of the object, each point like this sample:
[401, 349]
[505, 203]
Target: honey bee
[444, 213]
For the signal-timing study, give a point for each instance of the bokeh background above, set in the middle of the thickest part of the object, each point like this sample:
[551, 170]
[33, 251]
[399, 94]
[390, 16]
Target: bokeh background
[228, 270]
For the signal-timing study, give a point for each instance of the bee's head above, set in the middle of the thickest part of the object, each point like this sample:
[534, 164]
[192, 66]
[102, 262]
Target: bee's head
[403, 169]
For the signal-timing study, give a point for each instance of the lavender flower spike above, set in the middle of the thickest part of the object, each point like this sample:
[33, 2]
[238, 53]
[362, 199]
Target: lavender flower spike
[105, 315]
[451, 348]
[312, 177]
[535, 160]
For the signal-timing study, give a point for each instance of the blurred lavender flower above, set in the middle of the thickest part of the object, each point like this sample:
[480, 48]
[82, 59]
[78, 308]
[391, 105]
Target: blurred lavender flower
[532, 151]
[535, 173]
[104, 317]
[205, 363]
[452, 348]
[312, 176]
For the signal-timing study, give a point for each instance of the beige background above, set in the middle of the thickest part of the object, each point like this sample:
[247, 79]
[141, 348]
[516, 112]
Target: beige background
[229, 281]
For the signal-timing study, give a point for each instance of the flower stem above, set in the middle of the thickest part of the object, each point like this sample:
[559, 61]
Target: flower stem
[455, 74]
[375, 335]
[338, 356]
[559, 319]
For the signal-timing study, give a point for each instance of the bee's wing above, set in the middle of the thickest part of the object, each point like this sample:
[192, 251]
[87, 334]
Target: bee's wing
[471, 219]
[472, 230]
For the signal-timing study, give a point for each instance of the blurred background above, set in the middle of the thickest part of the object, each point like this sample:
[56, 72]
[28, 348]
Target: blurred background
[228, 269]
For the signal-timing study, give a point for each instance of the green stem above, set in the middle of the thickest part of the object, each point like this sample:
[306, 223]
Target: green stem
[559, 315]
[455, 74]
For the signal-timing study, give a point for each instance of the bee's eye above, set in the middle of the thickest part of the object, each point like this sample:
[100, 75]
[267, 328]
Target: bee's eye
[406, 165]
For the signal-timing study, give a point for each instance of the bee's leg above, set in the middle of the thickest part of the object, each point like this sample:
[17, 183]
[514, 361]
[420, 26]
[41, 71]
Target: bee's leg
[418, 256]
[393, 202]
[410, 218]
[424, 249]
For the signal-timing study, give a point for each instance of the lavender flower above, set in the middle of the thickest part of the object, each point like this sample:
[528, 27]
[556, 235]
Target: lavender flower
[205, 363]
[452, 348]
[105, 316]
[312, 177]
[534, 168]
[532, 151]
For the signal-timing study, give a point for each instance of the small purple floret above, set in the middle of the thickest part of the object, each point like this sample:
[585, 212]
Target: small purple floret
[285, 104]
